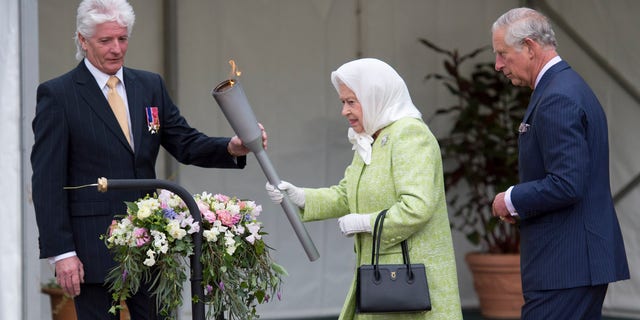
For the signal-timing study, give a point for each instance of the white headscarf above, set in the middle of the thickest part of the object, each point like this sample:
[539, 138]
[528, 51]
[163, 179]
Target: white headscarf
[383, 95]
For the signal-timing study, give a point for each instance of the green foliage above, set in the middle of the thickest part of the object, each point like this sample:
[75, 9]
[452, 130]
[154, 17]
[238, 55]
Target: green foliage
[480, 152]
[238, 283]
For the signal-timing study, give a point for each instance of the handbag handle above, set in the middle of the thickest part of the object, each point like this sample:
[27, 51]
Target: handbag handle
[375, 248]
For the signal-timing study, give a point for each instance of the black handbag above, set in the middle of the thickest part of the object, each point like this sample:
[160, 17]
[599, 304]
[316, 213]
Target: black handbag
[386, 288]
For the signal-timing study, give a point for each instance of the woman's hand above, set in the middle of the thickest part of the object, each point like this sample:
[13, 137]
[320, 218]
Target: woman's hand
[354, 223]
[295, 194]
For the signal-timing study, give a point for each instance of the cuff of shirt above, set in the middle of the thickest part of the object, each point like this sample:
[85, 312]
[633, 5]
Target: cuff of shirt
[53, 260]
[508, 203]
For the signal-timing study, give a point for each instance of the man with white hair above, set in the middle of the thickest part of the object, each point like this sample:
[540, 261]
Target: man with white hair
[102, 119]
[571, 245]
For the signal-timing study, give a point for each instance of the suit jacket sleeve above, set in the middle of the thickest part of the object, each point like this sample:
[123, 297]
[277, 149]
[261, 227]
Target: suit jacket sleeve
[49, 164]
[188, 145]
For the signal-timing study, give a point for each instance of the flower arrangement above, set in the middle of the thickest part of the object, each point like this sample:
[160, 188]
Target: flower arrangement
[152, 243]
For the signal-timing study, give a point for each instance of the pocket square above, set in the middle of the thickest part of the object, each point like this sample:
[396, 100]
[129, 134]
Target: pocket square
[524, 127]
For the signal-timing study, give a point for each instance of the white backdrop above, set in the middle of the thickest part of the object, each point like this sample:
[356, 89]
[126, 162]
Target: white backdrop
[10, 163]
[286, 50]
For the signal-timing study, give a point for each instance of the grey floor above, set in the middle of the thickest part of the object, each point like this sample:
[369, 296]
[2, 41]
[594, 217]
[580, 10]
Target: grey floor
[469, 315]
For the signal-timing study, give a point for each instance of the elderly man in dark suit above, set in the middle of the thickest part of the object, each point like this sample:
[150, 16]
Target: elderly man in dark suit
[571, 244]
[85, 129]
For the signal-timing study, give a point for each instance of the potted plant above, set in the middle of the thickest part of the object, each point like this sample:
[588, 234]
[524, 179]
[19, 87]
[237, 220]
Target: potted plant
[62, 307]
[480, 156]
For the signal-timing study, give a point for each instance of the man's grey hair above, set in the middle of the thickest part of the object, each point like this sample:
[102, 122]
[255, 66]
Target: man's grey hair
[94, 12]
[521, 23]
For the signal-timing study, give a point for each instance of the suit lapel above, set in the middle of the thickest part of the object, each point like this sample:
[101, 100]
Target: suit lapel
[541, 87]
[134, 98]
[95, 99]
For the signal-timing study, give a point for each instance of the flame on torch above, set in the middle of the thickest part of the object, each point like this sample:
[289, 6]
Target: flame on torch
[228, 84]
[235, 72]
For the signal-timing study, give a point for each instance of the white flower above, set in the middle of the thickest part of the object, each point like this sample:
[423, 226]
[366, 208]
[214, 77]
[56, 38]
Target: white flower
[233, 208]
[176, 202]
[121, 234]
[160, 241]
[256, 210]
[230, 243]
[254, 229]
[218, 206]
[151, 258]
[191, 223]
[239, 230]
[174, 230]
[211, 235]
[146, 207]
[206, 196]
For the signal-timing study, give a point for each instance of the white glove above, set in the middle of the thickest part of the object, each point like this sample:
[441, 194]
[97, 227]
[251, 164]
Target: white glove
[295, 194]
[354, 223]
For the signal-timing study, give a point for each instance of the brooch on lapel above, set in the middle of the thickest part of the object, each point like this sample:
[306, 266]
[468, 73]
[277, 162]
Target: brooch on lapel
[384, 140]
[153, 121]
[523, 128]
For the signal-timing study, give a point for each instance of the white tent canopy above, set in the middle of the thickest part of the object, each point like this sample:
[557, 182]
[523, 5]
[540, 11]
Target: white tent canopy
[286, 50]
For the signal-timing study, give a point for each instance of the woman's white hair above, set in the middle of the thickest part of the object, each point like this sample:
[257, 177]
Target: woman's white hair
[521, 23]
[94, 12]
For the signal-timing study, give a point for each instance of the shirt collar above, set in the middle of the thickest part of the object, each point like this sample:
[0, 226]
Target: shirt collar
[101, 77]
[546, 67]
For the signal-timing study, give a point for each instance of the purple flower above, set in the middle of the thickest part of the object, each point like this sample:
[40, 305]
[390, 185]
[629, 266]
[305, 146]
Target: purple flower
[124, 275]
[221, 285]
[208, 289]
[169, 213]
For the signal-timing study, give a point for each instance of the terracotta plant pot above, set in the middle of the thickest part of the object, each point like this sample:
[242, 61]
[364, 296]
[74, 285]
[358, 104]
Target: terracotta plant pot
[62, 307]
[496, 279]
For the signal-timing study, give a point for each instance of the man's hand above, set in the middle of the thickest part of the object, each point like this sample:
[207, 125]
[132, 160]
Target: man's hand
[69, 275]
[499, 209]
[236, 148]
[295, 194]
[354, 223]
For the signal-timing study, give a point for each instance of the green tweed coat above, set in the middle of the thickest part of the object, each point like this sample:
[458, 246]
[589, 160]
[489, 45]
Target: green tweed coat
[405, 177]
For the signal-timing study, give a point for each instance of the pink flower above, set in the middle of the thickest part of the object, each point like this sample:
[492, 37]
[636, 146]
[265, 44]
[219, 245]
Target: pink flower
[113, 226]
[142, 236]
[225, 217]
[164, 197]
[221, 198]
[206, 213]
[209, 216]
[236, 218]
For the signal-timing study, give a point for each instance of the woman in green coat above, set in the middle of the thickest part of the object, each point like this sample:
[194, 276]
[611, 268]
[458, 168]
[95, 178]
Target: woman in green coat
[397, 166]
